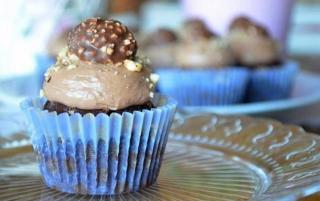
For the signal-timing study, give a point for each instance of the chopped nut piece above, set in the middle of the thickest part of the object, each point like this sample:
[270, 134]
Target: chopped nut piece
[129, 52]
[80, 51]
[41, 93]
[132, 66]
[127, 42]
[109, 51]
[114, 36]
[71, 67]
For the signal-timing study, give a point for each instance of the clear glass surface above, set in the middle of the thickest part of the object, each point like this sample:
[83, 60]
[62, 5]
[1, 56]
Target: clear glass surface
[208, 157]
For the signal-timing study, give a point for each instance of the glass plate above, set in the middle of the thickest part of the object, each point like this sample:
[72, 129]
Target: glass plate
[208, 158]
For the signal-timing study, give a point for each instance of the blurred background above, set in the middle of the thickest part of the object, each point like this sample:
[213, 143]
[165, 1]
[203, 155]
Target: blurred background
[33, 32]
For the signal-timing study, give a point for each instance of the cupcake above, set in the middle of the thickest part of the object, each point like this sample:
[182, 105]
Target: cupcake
[253, 47]
[203, 74]
[99, 129]
[159, 47]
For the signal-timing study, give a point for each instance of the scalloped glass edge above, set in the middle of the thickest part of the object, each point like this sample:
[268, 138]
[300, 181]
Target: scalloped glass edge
[292, 154]
[223, 131]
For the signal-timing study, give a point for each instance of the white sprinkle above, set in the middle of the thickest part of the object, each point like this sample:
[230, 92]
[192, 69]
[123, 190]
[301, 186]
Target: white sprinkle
[74, 58]
[151, 94]
[154, 77]
[41, 93]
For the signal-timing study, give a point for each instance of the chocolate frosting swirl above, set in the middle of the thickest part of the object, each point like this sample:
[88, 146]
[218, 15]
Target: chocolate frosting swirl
[98, 86]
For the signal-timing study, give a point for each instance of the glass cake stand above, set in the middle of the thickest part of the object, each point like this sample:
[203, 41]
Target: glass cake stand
[208, 157]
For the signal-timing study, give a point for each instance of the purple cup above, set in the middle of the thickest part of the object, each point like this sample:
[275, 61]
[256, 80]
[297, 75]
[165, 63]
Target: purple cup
[273, 14]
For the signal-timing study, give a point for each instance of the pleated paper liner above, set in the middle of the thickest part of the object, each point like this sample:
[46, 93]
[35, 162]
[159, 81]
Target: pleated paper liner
[198, 87]
[103, 154]
[272, 83]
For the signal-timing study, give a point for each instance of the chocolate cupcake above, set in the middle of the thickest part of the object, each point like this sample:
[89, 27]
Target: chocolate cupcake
[271, 76]
[203, 73]
[99, 129]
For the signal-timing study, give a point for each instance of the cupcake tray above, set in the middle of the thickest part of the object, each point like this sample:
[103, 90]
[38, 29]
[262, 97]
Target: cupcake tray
[208, 157]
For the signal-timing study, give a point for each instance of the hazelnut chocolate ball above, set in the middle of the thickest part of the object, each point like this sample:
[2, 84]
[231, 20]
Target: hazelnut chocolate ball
[102, 41]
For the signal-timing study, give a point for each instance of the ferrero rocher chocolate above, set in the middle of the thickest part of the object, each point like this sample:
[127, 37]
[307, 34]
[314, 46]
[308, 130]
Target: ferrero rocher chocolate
[102, 41]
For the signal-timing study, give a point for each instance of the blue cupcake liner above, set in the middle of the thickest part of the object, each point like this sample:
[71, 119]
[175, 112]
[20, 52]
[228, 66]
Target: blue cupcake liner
[198, 87]
[43, 62]
[272, 83]
[99, 155]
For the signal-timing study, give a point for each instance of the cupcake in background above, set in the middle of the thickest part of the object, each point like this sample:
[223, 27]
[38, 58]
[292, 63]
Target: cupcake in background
[99, 129]
[194, 29]
[201, 48]
[159, 46]
[253, 47]
[203, 74]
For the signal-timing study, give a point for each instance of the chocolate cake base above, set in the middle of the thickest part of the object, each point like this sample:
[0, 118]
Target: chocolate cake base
[61, 108]
[269, 64]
